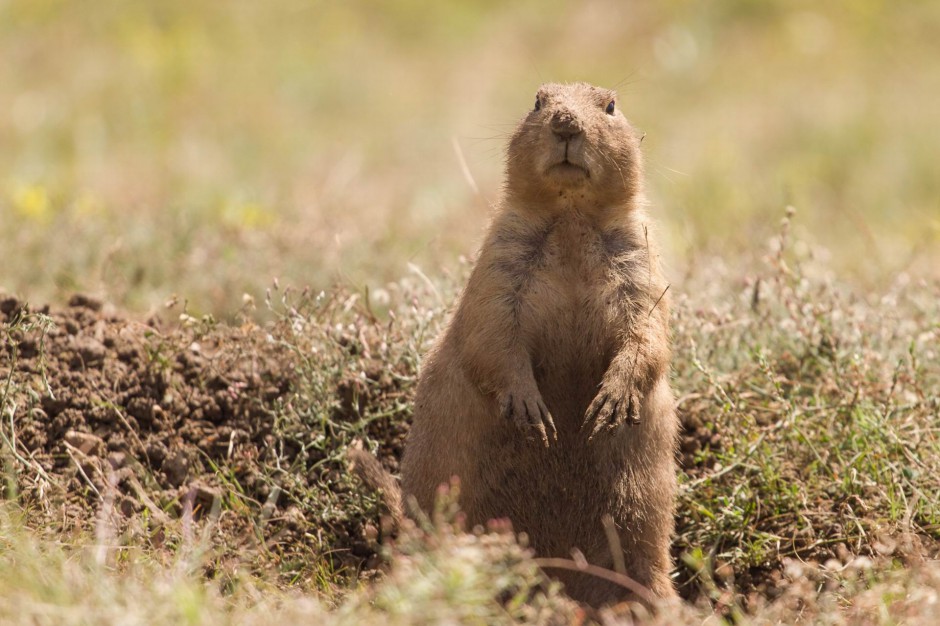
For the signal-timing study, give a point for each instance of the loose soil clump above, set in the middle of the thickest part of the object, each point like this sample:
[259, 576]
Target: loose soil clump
[147, 424]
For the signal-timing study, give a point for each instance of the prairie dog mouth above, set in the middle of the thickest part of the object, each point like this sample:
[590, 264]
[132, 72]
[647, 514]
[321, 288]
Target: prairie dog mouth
[567, 168]
[567, 161]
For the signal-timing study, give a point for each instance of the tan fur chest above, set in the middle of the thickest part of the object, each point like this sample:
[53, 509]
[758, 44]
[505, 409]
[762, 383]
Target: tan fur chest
[565, 319]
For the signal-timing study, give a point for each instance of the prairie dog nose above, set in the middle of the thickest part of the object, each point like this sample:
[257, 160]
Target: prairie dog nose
[565, 125]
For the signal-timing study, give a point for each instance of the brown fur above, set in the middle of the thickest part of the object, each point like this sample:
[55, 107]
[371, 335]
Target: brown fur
[548, 393]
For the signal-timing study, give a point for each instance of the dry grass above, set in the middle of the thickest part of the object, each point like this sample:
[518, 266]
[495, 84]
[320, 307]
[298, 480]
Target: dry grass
[810, 458]
[202, 150]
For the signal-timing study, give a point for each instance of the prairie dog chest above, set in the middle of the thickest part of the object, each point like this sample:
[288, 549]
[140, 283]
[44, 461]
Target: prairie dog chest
[576, 257]
[569, 290]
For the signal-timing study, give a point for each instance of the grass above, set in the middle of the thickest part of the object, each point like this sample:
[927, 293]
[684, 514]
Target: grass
[810, 454]
[454, 581]
[201, 152]
[821, 408]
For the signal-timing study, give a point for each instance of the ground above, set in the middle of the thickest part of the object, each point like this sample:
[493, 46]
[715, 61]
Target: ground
[157, 421]
[808, 415]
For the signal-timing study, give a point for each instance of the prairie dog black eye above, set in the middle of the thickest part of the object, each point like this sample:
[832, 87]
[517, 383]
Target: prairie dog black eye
[538, 103]
[610, 107]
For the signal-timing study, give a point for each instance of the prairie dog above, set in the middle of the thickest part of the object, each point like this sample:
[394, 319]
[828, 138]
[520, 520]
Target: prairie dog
[547, 394]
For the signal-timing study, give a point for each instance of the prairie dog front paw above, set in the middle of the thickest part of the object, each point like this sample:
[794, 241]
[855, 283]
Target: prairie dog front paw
[526, 409]
[611, 408]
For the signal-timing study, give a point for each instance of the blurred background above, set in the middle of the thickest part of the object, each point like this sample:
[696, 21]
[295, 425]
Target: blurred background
[204, 148]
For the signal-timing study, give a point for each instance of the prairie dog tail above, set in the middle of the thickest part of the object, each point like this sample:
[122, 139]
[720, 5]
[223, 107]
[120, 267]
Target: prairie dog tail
[364, 465]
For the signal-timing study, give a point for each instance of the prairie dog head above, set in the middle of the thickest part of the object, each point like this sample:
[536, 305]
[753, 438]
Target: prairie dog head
[574, 146]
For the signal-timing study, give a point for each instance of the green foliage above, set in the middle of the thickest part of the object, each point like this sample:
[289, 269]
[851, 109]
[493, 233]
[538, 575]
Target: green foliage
[805, 404]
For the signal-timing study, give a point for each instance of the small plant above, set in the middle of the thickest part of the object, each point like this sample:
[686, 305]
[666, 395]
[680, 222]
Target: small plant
[22, 326]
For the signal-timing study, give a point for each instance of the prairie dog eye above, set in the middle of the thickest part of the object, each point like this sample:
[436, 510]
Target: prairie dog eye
[538, 103]
[610, 107]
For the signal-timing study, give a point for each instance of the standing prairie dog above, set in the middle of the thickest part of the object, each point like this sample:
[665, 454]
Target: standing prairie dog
[548, 392]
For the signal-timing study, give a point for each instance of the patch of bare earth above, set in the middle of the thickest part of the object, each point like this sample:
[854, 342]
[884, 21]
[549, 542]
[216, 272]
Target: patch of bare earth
[155, 434]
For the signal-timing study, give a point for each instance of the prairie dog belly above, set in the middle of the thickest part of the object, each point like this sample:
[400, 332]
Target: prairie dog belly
[566, 328]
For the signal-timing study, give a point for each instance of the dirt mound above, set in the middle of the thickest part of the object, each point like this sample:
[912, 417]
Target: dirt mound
[126, 391]
[148, 423]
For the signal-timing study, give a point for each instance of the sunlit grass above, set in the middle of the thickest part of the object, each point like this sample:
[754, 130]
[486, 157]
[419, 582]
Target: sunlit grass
[806, 490]
[201, 150]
